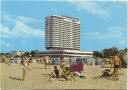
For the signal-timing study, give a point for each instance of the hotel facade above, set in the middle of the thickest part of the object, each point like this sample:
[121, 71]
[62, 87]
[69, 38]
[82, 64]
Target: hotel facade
[62, 37]
[62, 32]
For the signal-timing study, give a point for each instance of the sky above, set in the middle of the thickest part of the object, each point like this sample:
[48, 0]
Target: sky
[103, 24]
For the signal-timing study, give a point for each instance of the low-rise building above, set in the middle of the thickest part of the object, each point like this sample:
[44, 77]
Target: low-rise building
[64, 53]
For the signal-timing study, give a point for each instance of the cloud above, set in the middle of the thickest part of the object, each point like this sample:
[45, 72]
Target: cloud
[92, 7]
[20, 28]
[7, 17]
[23, 30]
[113, 33]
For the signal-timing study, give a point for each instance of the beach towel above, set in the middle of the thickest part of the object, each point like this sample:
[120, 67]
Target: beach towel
[76, 68]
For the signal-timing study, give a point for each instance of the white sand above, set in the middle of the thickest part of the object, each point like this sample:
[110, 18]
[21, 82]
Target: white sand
[37, 79]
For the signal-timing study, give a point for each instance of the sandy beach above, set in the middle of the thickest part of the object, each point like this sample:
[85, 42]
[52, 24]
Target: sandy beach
[37, 78]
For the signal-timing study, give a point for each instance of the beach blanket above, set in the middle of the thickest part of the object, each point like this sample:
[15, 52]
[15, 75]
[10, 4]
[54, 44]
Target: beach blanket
[76, 68]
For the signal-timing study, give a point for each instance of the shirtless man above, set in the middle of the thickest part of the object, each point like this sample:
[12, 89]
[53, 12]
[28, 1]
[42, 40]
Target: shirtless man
[116, 62]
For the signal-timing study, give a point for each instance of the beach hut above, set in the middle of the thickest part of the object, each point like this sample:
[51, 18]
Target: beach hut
[70, 60]
[19, 60]
[97, 61]
[55, 61]
[13, 60]
[90, 61]
[79, 61]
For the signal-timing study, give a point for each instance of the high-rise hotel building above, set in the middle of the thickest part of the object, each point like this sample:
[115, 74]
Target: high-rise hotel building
[62, 38]
[62, 33]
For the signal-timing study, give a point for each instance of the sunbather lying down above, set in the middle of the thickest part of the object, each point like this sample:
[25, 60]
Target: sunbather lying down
[80, 75]
[106, 73]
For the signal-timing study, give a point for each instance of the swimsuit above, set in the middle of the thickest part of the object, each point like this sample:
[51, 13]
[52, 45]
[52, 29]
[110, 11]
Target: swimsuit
[116, 66]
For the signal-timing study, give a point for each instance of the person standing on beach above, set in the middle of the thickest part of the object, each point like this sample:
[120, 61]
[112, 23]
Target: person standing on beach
[25, 64]
[116, 62]
[45, 62]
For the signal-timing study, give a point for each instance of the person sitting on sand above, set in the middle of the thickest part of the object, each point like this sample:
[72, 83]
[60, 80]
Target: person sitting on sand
[54, 74]
[116, 62]
[25, 64]
[67, 74]
[61, 69]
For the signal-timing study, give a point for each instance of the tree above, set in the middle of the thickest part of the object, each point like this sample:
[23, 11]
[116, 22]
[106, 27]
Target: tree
[32, 53]
[97, 54]
[105, 53]
[114, 51]
[108, 52]
[26, 54]
[123, 62]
